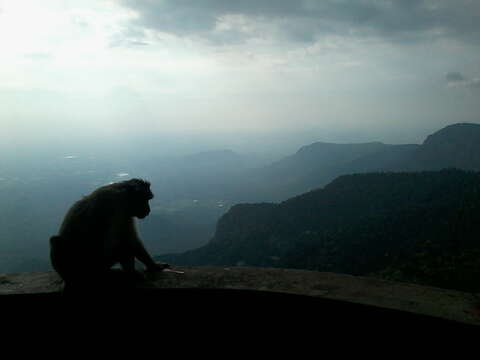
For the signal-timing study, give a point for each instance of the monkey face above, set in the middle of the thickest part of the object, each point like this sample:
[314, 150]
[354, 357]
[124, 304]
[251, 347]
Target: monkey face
[141, 208]
[139, 204]
[140, 194]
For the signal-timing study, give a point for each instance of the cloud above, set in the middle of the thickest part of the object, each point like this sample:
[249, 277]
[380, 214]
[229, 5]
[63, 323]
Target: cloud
[307, 20]
[128, 36]
[454, 77]
[474, 83]
[120, 41]
[457, 79]
[38, 56]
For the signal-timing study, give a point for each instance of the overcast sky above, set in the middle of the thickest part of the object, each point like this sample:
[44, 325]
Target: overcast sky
[391, 70]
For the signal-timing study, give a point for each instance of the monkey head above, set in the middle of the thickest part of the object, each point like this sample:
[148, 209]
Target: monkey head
[139, 194]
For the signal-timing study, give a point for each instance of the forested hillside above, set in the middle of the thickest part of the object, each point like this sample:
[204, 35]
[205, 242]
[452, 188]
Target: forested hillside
[422, 226]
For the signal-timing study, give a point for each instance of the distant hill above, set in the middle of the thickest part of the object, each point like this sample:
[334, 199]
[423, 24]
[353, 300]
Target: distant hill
[230, 178]
[317, 164]
[312, 166]
[453, 146]
[422, 226]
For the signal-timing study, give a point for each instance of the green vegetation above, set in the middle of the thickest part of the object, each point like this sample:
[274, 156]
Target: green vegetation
[418, 227]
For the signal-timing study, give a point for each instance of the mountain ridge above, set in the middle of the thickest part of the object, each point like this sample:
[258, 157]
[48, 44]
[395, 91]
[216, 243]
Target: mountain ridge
[317, 164]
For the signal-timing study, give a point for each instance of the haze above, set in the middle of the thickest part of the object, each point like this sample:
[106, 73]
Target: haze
[348, 71]
[95, 91]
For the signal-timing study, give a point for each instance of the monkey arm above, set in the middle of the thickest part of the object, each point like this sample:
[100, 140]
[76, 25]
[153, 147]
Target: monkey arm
[142, 255]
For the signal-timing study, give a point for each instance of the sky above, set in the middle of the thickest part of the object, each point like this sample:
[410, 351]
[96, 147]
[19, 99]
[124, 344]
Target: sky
[338, 70]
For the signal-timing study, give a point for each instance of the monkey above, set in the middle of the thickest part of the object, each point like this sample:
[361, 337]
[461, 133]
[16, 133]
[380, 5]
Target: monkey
[98, 232]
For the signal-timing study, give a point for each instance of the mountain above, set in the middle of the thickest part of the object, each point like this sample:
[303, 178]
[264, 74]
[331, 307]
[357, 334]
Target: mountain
[456, 146]
[391, 158]
[317, 164]
[360, 224]
[312, 166]
[322, 155]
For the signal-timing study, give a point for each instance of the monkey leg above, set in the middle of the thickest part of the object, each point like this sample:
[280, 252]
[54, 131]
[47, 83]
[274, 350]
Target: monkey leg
[128, 265]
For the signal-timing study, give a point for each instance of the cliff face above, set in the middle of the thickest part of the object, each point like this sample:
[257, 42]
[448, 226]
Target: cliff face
[331, 296]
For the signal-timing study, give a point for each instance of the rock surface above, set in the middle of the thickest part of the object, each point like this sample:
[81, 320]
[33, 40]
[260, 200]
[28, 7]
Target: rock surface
[439, 303]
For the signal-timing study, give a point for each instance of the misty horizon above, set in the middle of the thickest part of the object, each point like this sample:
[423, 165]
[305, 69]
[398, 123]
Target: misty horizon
[93, 72]
[274, 142]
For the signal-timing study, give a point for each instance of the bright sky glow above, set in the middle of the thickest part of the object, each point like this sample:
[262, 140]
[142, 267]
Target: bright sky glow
[117, 67]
